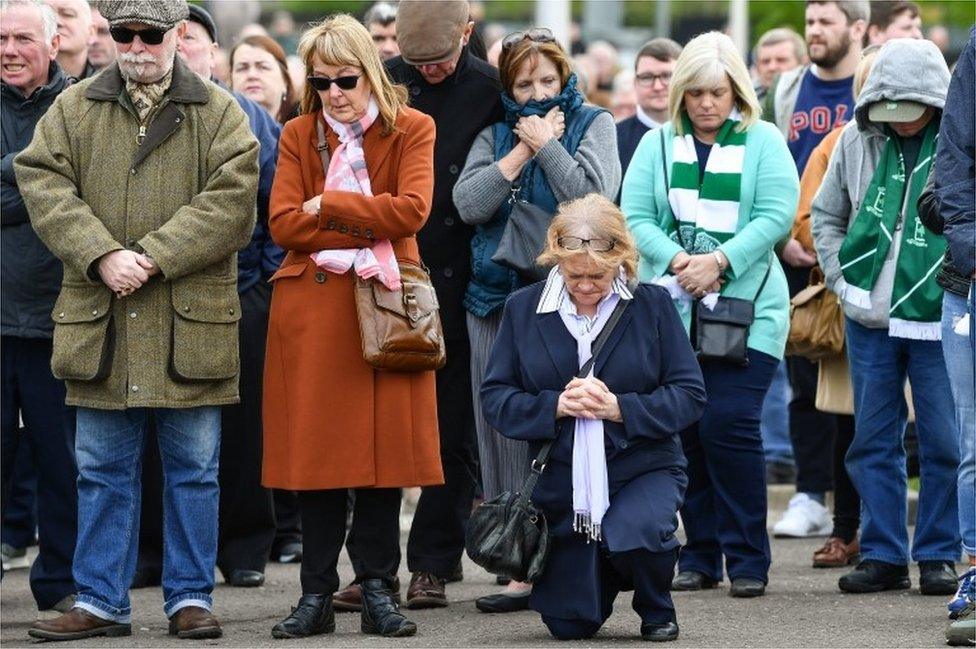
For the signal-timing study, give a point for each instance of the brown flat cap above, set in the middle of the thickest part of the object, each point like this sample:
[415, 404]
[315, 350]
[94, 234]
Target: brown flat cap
[162, 14]
[429, 31]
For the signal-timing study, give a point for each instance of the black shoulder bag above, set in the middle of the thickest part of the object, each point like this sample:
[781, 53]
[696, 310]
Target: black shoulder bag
[508, 535]
[719, 334]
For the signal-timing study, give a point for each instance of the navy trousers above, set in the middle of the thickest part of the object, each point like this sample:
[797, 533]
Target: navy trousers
[32, 393]
[725, 504]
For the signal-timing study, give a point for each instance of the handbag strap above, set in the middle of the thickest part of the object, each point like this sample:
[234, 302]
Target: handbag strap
[540, 461]
[322, 147]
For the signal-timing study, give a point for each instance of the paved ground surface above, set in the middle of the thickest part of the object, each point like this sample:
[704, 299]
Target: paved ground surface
[802, 608]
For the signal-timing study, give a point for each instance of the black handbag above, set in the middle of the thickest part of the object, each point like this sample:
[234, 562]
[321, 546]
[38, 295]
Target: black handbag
[720, 333]
[523, 239]
[508, 535]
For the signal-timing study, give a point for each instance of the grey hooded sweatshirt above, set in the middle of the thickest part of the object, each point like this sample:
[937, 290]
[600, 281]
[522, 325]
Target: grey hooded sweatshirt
[905, 69]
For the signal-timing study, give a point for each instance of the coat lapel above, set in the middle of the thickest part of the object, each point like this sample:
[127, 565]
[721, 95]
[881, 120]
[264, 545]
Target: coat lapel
[559, 344]
[612, 341]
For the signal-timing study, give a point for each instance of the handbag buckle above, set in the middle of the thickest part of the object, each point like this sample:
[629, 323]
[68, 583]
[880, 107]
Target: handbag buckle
[537, 467]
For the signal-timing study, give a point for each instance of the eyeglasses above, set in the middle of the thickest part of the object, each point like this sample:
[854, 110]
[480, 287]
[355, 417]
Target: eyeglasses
[125, 35]
[322, 84]
[536, 35]
[649, 79]
[576, 243]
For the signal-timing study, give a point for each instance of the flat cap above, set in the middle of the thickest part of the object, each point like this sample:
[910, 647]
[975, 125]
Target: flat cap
[163, 14]
[200, 15]
[429, 31]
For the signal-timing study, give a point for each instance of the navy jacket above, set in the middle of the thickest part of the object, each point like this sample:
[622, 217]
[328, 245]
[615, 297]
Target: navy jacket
[954, 164]
[30, 276]
[629, 134]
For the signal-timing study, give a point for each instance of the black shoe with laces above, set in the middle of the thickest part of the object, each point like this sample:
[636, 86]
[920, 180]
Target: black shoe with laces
[875, 576]
[691, 580]
[937, 578]
[312, 616]
[381, 615]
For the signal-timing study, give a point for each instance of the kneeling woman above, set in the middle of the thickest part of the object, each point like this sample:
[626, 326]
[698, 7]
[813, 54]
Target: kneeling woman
[615, 478]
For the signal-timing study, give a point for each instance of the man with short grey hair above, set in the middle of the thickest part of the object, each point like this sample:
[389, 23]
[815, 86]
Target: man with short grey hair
[142, 180]
[380, 20]
[777, 51]
[77, 31]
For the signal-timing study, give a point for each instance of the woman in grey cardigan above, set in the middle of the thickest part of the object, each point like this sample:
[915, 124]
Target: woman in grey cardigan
[550, 149]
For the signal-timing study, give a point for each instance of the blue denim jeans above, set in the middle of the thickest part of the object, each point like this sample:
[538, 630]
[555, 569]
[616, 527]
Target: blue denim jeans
[960, 358]
[876, 458]
[775, 423]
[109, 448]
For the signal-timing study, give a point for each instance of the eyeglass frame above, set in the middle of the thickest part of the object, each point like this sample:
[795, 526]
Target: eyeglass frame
[312, 79]
[535, 34]
[119, 35]
[647, 79]
[586, 243]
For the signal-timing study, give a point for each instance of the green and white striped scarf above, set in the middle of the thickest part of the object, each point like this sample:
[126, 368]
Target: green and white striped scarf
[916, 298]
[707, 212]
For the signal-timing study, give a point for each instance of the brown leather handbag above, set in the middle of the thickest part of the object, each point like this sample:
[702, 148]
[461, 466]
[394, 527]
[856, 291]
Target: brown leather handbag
[816, 321]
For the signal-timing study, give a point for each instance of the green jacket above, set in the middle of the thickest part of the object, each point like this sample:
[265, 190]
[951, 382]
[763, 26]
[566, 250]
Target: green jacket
[186, 197]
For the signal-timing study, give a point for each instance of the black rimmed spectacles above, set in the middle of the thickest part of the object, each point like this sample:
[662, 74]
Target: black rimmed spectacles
[125, 35]
[322, 84]
[536, 35]
[576, 243]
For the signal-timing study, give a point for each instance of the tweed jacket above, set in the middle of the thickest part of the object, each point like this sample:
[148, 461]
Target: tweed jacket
[185, 195]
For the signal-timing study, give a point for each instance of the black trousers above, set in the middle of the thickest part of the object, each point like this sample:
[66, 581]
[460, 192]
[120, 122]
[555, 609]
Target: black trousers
[436, 538]
[847, 502]
[323, 513]
[811, 431]
[31, 392]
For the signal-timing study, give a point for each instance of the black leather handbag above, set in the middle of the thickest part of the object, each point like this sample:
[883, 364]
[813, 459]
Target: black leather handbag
[523, 239]
[508, 535]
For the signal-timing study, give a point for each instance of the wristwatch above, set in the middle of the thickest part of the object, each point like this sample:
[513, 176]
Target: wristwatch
[719, 257]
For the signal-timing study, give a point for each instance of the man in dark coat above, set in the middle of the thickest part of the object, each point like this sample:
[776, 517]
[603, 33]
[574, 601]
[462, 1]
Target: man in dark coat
[463, 95]
[30, 277]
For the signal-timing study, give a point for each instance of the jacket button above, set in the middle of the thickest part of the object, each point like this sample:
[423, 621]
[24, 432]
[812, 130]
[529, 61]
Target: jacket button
[448, 221]
[135, 388]
[369, 233]
[343, 229]
[623, 443]
[320, 277]
[355, 231]
[61, 315]
[448, 272]
[414, 91]
[453, 169]
[132, 171]
[186, 309]
[133, 315]
[94, 311]
[230, 311]
[330, 224]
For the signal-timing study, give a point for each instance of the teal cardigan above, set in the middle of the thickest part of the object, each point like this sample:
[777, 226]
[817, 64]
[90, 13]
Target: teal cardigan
[767, 203]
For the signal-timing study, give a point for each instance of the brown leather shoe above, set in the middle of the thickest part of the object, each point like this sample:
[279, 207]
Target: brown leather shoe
[194, 623]
[77, 624]
[836, 554]
[350, 598]
[426, 591]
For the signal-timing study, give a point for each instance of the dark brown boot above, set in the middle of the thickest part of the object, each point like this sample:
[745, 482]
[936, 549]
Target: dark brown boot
[77, 624]
[193, 623]
[426, 590]
[350, 598]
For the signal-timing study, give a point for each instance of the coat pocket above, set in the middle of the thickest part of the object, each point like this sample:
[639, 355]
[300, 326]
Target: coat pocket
[84, 335]
[204, 343]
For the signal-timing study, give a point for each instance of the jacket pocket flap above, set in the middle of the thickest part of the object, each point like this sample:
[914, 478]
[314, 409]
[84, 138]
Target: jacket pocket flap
[206, 302]
[807, 294]
[734, 311]
[292, 270]
[84, 303]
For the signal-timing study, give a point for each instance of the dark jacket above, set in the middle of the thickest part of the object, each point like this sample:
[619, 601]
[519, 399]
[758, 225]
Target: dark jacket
[30, 276]
[629, 134]
[461, 105]
[648, 363]
[930, 214]
[954, 164]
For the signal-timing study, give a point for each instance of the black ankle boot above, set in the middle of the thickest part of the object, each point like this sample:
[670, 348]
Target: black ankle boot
[312, 616]
[381, 614]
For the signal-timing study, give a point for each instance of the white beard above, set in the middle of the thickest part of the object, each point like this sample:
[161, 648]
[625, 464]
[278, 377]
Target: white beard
[144, 67]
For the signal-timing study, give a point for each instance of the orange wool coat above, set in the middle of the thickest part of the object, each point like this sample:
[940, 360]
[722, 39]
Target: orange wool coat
[330, 420]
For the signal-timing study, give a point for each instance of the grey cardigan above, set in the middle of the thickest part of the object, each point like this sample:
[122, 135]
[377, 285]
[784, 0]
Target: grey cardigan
[595, 167]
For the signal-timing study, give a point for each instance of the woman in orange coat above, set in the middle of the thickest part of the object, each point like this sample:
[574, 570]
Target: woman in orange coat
[332, 422]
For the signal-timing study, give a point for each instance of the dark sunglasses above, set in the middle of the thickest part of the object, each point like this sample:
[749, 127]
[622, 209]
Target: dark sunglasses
[125, 35]
[575, 243]
[322, 84]
[536, 35]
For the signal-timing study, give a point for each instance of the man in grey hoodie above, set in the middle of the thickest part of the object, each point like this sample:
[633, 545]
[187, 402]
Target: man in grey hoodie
[882, 262]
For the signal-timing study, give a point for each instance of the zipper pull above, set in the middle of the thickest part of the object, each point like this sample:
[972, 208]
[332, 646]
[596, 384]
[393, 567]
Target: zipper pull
[141, 136]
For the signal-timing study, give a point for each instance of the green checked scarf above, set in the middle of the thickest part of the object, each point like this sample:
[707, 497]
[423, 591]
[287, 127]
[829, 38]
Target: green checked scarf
[706, 212]
[916, 299]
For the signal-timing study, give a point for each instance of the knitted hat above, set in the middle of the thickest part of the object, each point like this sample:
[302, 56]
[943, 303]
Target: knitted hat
[162, 14]
[429, 31]
[200, 15]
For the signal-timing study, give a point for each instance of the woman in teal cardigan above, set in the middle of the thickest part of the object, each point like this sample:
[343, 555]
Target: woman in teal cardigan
[707, 197]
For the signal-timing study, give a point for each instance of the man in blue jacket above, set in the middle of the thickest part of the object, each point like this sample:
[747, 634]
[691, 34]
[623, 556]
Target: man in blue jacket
[30, 278]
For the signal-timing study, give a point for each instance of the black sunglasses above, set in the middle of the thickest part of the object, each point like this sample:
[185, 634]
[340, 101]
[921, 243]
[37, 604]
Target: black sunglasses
[536, 35]
[125, 35]
[322, 84]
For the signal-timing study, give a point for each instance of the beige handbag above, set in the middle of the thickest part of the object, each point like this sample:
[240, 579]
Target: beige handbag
[834, 392]
[816, 321]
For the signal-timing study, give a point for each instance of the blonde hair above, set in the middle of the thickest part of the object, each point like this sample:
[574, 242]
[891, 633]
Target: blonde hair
[341, 40]
[704, 61]
[592, 217]
[863, 69]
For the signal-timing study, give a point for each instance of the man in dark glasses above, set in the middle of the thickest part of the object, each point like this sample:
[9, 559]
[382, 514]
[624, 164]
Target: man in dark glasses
[143, 181]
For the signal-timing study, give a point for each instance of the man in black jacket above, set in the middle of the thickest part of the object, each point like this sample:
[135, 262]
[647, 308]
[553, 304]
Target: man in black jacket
[30, 279]
[463, 95]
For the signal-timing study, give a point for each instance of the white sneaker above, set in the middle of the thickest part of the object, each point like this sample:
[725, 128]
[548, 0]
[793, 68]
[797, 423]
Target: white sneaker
[804, 517]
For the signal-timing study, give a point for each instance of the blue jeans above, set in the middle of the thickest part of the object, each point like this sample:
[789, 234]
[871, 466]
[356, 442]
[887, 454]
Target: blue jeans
[109, 448]
[960, 358]
[876, 458]
[775, 423]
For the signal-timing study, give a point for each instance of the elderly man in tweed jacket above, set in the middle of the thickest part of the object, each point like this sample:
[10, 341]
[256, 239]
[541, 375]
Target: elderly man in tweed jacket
[142, 181]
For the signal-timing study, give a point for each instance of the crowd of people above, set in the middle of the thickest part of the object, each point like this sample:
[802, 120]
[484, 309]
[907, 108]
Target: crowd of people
[190, 240]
